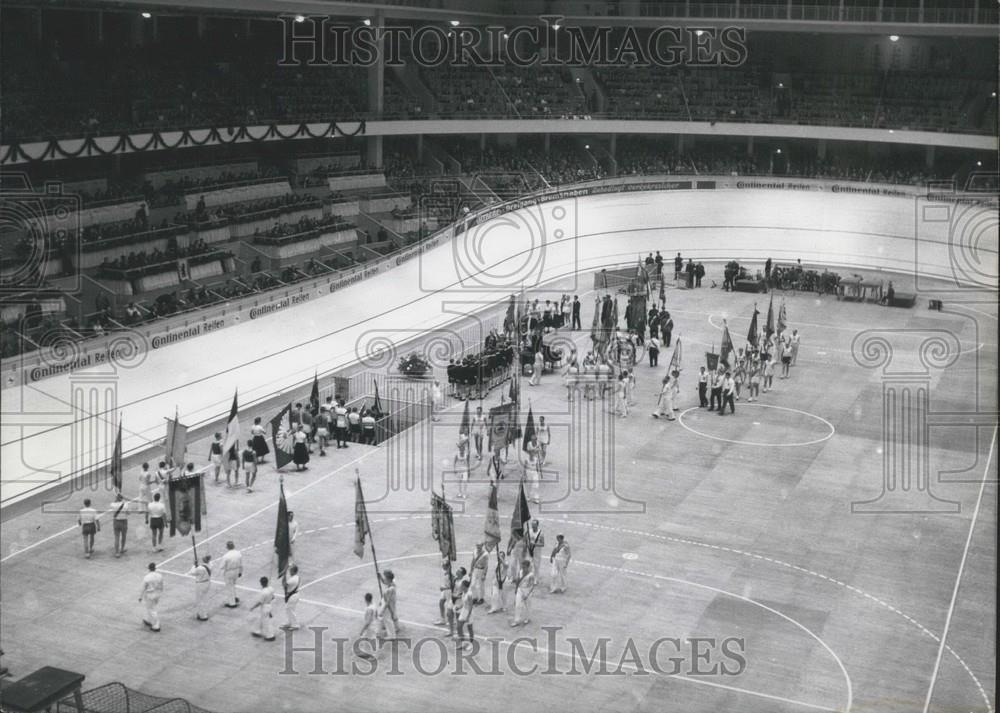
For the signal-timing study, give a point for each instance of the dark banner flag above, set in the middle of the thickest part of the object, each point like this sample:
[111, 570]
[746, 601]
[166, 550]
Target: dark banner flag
[314, 394]
[443, 526]
[376, 409]
[769, 328]
[116, 460]
[521, 516]
[675, 360]
[281, 438]
[361, 531]
[727, 346]
[492, 526]
[529, 430]
[186, 493]
[753, 331]
[466, 428]
[282, 541]
[231, 441]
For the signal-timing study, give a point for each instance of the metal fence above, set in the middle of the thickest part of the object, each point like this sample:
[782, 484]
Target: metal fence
[118, 698]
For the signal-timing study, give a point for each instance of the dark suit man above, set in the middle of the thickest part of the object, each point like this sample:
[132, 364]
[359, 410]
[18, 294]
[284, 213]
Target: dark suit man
[576, 312]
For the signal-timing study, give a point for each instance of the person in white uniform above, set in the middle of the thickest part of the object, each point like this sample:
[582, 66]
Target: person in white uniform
[152, 589]
[291, 582]
[232, 569]
[202, 574]
[524, 586]
[264, 628]
[560, 562]
[480, 564]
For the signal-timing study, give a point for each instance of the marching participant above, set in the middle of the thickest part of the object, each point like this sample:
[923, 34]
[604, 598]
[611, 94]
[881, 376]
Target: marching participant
[152, 588]
[480, 563]
[497, 598]
[202, 585]
[290, 582]
[560, 561]
[264, 628]
[523, 588]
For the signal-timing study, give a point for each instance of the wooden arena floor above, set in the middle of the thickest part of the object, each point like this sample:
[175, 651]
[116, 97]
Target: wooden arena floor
[709, 532]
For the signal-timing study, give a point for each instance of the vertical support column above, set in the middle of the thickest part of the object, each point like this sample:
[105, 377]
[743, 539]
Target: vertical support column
[201, 26]
[548, 142]
[750, 146]
[36, 16]
[929, 156]
[99, 29]
[821, 149]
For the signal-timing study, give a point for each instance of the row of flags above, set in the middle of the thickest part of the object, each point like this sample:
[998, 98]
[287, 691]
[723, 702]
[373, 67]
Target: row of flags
[753, 333]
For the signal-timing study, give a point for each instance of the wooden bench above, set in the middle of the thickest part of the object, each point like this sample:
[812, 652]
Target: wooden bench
[41, 690]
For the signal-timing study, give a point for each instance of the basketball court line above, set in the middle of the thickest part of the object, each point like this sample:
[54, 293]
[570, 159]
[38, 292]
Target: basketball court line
[958, 577]
[680, 420]
[683, 541]
[561, 654]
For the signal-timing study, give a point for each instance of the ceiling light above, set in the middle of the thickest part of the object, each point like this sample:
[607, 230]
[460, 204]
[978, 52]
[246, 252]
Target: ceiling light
[300, 18]
[146, 16]
[454, 23]
[894, 38]
[367, 22]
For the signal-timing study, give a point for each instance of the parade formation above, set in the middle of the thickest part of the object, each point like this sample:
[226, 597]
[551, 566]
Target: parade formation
[501, 576]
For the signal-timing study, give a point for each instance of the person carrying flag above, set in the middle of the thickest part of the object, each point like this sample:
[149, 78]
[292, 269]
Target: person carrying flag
[446, 604]
[465, 614]
[202, 585]
[290, 582]
[388, 615]
[368, 428]
[480, 563]
[536, 544]
[524, 585]
[250, 465]
[497, 599]
[232, 569]
[215, 455]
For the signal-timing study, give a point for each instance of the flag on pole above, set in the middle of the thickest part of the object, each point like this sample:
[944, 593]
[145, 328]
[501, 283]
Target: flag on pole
[361, 530]
[769, 328]
[492, 527]
[116, 460]
[466, 428]
[376, 410]
[675, 360]
[782, 318]
[529, 430]
[443, 526]
[643, 277]
[727, 345]
[176, 442]
[282, 540]
[281, 438]
[314, 394]
[753, 331]
[521, 516]
[230, 444]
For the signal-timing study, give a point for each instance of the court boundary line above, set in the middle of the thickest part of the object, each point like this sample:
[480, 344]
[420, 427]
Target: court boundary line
[833, 429]
[546, 650]
[961, 571]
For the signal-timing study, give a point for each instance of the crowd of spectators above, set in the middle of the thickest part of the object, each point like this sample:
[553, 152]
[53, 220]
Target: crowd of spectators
[258, 208]
[139, 259]
[304, 229]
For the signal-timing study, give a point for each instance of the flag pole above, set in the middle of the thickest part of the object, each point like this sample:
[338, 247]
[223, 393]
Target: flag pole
[194, 548]
[368, 529]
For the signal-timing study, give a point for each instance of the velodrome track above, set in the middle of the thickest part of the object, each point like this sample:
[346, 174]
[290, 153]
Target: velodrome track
[484, 265]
